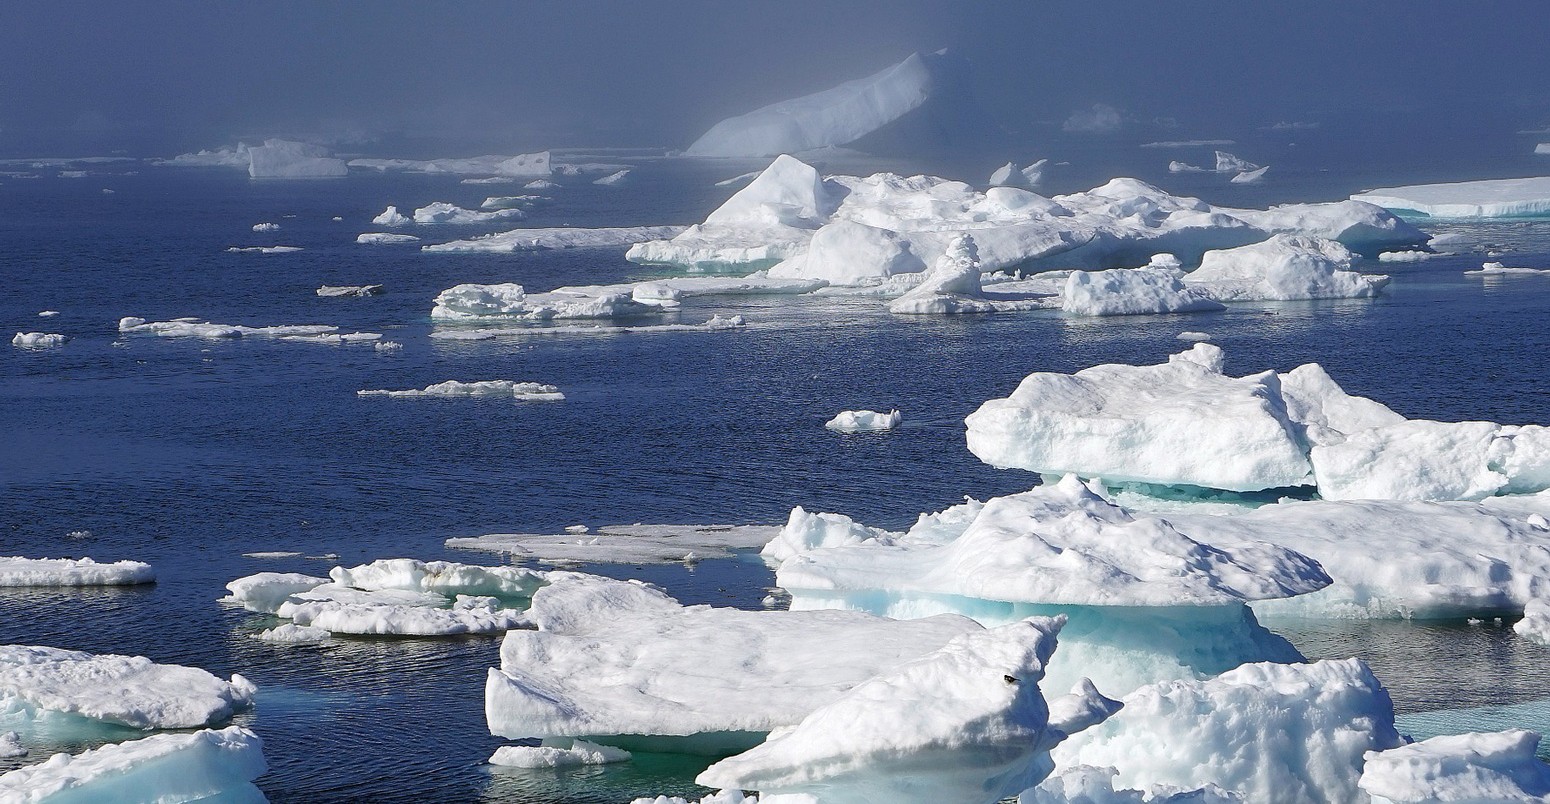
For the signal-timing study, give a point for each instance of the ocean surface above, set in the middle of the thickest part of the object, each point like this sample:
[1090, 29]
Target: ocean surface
[188, 453]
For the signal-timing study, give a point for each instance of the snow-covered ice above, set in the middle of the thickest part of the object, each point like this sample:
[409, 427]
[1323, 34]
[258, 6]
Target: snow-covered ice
[1535, 625]
[384, 238]
[1494, 198]
[1084, 784]
[510, 201]
[264, 249]
[1250, 176]
[856, 421]
[264, 592]
[11, 745]
[48, 313]
[208, 765]
[128, 690]
[626, 544]
[558, 753]
[1133, 291]
[18, 571]
[1285, 267]
[512, 301]
[1227, 163]
[1502, 269]
[558, 237]
[716, 323]
[292, 634]
[38, 340]
[1481, 768]
[392, 217]
[1267, 732]
[1411, 255]
[526, 391]
[350, 290]
[442, 212]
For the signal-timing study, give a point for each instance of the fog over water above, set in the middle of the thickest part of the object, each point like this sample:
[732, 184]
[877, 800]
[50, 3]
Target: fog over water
[159, 78]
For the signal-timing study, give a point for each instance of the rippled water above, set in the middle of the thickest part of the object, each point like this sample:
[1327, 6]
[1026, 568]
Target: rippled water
[189, 453]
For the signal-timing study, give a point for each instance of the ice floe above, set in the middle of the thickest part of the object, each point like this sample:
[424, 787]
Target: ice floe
[18, 571]
[287, 159]
[1156, 288]
[614, 179]
[1493, 767]
[1494, 198]
[195, 328]
[1502, 269]
[526, 391]
[856, 421]
[128, 690]
[384, 238]
[266, 227]
[292, 634]
[264, 249]
[612, 659]
[1410, 255]
[625, 544]
[1267, 732]
[206, 765]
[392, 217]
[48, 313]
[521, 165]
[38, 340]
[510, 201]
[1283, 268]
[716, 323]
[350, 290]
[1250, 176]
[442, 212]
[558, 237]
[512, 301]
[11, 745]
[559, 753]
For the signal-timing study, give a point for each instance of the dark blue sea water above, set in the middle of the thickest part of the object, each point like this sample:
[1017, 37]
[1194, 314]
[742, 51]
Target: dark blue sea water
[188, 453]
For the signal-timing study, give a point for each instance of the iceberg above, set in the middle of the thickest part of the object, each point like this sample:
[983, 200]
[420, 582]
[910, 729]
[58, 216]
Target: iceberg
[392, 217]
[349, 290]
[855, 421]
[1250, 176]
[554, 238]
[128, 690]
[442, 212]
[540, 184]
[206, 765]
[626, 544]
[292, 634]
[1501, 269]
[287, 159]
[1535, 625]
[578, 752]
[18, 571]
[964, 723]
[836, 116]
[526, 391]
[1267, 732]
[1156, 288]
[512, 301]
[511, 202]
[1177, 166]
[1427, 460]
[614, 179]
[622, 663]
[1026, 178]
[1084, 784]
[521, 165]
[1494, 198]
[38, 340]
[1476, 767]
[221, 157]
[384, 238]
[266, 227]
[1227, 163]
[1285, 267]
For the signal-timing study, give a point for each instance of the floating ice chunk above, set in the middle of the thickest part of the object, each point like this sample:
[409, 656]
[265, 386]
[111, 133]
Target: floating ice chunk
[273, 554]
[129, 690]
[1250, 176]
[739, 179]
[221, 157]
[540, 184]
[1283, 268]
[11, 745]
[38, 340]
[350, 290]
[1193, 336]
[1267, 732]
[388, 346]
[1356, 225]
[1496, 198]
[1488, 768]
[264, 249]
[614, 179]
[266, 591]
[716, 323]
[558, 755]
[617, 658]
[1407, 256]
[333, 339]
[340, 609]
[625, 544]
[384, 238]
[526, 391]
[1227, 163]
[1542, 148]
[951, 286]
[1535, 625]
[804, 532]
[965, 723]
[512, 301]
[510, 201]
[1497, 269]
[18, 571]
[194, 328]
[440, 577]
[292, 634]
[849, 253]
[443, 212]
[1427, 460]
[1187, 143]
[1143, 424]
[392, 217]
[1010, 175]
[48, 313]
[1084, 784]
[836, 116]
[855, 421]
[720, 797]
[1133, 291]
[206, 765]
[521, 165]
[266, 227]
[555, 238]
[285, 159]
[1177, 166]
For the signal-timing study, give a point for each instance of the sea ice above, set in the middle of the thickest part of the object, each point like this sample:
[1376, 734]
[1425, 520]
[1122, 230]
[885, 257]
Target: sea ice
[856, 421]
[521, 165]
[1501, 269]
[442, 212]
[128, 690]
[526, 391]
[1084, 784]
[266, 227]
[1227, 163]
[264, 249]
[18, 571]
[614, 658]
[554, 238]
[1010, 175]
[512, 301]
[626, 544]
[286, 159]
[1481, 768]
[964, 723]
[510, 201]
[350, 290]
[11, 745]
[1250, 176]
[1283, 268]
[1267, 732]
[384, 238]
[1495, 198]
[1193, 336]
[1411, 255]
[716, 323]
[194, 328]
[292, 634]
[207, 765]
[540, 184]
[1177, 166]
[1535, 625]
[48, 313]
[392, 217]
[559, 753]
[38, 340]
[614, 179]
[266, 591]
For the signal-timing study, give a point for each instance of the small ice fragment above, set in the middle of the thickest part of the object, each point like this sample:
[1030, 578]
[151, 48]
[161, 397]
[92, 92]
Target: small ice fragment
[11, 745]
[855, 421]
[614, 179]
[48, 314]
[292, 634]
[266, 227]
[388, 346]
[552, 754]
[38, 340]
[577, 529]
[528, 391]
[1193, 336]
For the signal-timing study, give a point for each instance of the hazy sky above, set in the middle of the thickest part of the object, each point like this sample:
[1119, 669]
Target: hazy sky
[179, 75]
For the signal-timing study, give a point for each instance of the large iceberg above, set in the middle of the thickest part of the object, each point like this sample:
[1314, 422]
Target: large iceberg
[1270, 733]
[964, 723]
[1484, 768]
[127, 690]
[1284, 268]
[206, 765]
[615, 659]
[1494, 198]
[18, 571]
[287, 159]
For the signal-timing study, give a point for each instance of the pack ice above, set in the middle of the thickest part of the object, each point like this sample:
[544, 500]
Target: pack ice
[207, 765]
[395, 597]
[1493, 198]
[850, 230]
[18, 571]
[128, 690]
